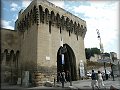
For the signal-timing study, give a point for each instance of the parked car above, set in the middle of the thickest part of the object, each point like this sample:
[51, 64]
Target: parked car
[89, 74]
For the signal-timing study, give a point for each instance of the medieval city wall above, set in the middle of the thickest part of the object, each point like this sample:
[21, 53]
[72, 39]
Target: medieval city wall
[27, 30]
[9, 40]
[9, 55]
[49, 43]
[40, 27]
[43, 34]
[36, 40]
[28, 48]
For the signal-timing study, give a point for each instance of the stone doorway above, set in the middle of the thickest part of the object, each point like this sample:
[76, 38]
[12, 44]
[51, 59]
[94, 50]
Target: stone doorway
[69, 61]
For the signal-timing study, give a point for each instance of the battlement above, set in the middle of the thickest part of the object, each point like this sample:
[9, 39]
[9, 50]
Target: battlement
[42, 11]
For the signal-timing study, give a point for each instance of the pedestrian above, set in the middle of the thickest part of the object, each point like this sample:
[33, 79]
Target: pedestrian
[68, 76]
[59, 76]
[63, 76]
[100, 80]
[112, 75]
[94, 81]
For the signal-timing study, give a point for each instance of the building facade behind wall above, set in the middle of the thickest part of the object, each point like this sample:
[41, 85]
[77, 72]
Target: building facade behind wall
[41, 30]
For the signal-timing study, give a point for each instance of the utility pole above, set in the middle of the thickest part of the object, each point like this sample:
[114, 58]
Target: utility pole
[101, 45]
[101, 51]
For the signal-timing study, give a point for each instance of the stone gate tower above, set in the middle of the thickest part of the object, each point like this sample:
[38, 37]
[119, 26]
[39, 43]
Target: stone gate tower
[47, 33]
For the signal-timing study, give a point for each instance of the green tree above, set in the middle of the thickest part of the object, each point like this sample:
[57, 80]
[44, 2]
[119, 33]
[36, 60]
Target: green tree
[106, 54]
[88, 53]
[95, 51]
[91, 51]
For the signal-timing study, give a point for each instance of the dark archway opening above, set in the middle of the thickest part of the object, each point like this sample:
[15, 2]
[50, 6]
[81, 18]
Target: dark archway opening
[69, 61]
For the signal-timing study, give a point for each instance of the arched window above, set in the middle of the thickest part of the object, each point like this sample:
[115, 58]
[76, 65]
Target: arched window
[85, 29]
[82, 30]
[71, 26]
[21, 26]
[41, 13]
[62, 22]
[46, 15]
[11, 53]
[4, 57]
[12, 59]
[35, 14]
[23, 23]
[26, 26]
[27, 20]
[58, 20]
[75, 27]
[31, 17]
[9, 59]
[67, 24]
[79, 31]
[17, 58]
[52, 18]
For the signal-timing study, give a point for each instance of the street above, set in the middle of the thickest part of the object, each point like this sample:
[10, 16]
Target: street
[86, 84]
[79, 85]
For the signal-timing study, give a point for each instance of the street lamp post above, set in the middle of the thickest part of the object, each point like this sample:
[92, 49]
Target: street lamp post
[101, 46]
[101, 51]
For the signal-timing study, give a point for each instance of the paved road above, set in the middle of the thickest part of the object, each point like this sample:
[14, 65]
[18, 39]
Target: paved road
[81, 84]
[86, 84]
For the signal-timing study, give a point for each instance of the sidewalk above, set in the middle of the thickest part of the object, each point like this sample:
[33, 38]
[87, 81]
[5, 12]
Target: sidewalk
[86, 84]
[115, 83]
[79, 85]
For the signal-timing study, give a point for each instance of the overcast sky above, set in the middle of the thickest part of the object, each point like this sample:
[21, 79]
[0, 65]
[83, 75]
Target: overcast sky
[101, 15]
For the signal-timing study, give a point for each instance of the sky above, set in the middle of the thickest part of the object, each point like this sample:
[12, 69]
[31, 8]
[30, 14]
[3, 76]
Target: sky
[102, 15]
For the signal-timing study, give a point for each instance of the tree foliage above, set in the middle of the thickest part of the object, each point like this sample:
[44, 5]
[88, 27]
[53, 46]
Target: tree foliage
[91, 51]
[106, 54]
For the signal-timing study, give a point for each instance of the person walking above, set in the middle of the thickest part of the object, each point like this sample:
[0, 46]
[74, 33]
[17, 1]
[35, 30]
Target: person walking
[63, 78]
[59, 77]
[63, 75]
[68, 76]
[94, 81]
[100, 80]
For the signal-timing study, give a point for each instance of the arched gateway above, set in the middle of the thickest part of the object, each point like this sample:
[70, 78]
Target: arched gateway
[37, 37]
[69, 63]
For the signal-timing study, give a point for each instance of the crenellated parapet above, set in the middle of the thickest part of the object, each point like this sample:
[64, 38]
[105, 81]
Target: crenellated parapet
[28, 20]
[46, 13]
